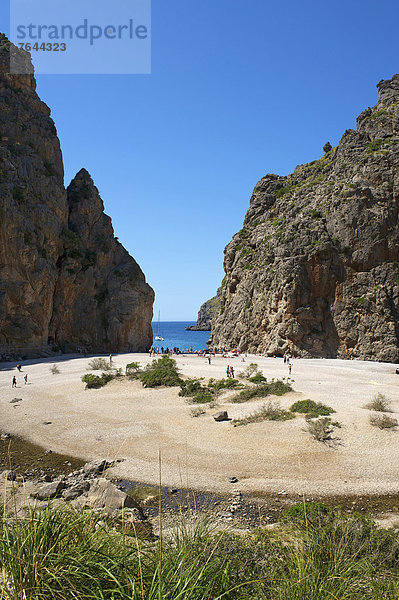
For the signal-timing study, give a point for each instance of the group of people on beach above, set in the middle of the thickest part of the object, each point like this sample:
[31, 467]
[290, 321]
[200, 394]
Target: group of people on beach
[288, 362]
[230, 372]
[14, 379]
[205, 352]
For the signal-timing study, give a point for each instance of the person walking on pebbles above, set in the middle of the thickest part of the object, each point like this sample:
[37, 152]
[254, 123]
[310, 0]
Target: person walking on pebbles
[26, 379]
[14, 382]
[289, 368]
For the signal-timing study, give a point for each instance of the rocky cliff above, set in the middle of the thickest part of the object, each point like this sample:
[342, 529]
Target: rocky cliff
[64, 278]
[208, 311]
[315, 269]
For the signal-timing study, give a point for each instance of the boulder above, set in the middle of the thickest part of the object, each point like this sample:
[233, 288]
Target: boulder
[96, 467]
[221, 416]
[103, 494]
[76, 490]
[50, 490]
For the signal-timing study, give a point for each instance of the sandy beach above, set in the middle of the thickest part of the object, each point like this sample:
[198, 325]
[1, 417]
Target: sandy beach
[125, 421]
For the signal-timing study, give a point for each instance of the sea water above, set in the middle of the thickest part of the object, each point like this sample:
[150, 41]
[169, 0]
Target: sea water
[176, 336]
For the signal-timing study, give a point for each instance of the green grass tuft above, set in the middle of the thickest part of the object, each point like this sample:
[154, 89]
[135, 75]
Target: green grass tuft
[273, 388]
[311, 408]
[268, 412]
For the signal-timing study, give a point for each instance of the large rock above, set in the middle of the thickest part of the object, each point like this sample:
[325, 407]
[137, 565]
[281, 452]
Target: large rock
[221, 415]
[103, 494]
[76, 490]
[96, 467]
[65, 280]
[50, 490]
[315, 269]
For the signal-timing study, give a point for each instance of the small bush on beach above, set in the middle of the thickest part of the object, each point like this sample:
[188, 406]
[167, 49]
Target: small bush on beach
[379, 403]
[223, 384]
[99, 364]
[271, 411]
[54, 370]
[197, 411]
[258, 378]
[311, 409]
[250, 371]
[383, 421]
[161, 372]
[133, 370]
[200, 394]
[320, 429]
[190, 387]
[273, 388]
[202, 397]
[96, 381]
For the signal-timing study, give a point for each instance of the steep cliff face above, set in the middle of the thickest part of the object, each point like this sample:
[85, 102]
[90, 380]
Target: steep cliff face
[64, 278]
[208, 311]
[315, 269]
[101, 298]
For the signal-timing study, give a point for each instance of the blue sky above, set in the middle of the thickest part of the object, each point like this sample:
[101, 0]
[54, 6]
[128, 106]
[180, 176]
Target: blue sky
[239, 88]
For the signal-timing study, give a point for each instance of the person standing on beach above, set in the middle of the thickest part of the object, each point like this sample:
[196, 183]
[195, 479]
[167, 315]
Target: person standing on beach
[14, 382]
[19, 367]
[209, 359]
[289, 368]
[26, 379]
[232, 372]
[110, 358]
[228, 371]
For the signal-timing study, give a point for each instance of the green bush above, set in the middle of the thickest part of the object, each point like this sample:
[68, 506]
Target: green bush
[311, 408]
[258, 378]
[190, 387]
[383, 421]
[96, 381]
[99, 364]
[271, 411]
[202, 397]
[274, 388]
[133, 370]
[320, 429]
[379, 403]
[223, 384]
[250, 371]
[162, 372]
[18, 193]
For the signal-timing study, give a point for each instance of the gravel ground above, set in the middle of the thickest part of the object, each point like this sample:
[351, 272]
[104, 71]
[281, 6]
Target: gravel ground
[123, 420]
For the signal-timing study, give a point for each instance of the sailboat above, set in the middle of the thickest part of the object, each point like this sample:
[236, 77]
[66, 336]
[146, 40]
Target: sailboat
[158, 335]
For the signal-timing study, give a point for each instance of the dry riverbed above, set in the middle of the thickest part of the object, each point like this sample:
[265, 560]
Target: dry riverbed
[124, 421]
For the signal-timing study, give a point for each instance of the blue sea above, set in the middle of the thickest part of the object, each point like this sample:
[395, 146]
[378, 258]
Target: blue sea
[175, 335]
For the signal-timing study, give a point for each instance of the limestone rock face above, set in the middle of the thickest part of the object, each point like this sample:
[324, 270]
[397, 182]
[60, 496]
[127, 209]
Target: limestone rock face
[208, 311]
[64, 279]
[101, 298]
[315, 269]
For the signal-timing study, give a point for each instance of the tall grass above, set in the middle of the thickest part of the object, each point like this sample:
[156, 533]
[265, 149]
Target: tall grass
[316, 554]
